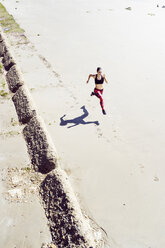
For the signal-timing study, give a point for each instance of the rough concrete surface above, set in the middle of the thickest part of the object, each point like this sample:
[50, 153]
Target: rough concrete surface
[42, 154]
[23, 104]
[8, 60]
[2, 48]
[62, 210]
[13, 78]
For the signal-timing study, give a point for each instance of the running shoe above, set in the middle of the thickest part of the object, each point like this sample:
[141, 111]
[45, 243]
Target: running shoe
[104, 112]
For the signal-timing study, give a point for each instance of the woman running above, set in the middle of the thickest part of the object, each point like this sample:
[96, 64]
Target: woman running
[98, 90]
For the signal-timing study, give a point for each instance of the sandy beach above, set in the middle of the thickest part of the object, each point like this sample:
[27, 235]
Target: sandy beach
[115, 162]
[22, 219]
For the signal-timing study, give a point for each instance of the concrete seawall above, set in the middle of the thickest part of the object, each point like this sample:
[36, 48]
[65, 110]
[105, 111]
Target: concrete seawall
[68, 226]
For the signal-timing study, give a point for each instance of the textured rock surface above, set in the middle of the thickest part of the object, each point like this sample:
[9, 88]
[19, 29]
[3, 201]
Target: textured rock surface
[41, 151]
[66, 221]
[2, 48]
[13, 79]
[1, 38]
[23, 105]
[8, 61]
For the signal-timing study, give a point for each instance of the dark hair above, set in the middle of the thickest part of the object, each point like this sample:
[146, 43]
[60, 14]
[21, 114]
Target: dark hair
[98, 69]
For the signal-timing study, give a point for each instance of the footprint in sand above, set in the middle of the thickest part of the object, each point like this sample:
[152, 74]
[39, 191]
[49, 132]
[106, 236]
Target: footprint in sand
[141, 167]
[128, 8]
[156, 179]
[68, 171]
[151, 14]
[71, 95]
[114, 131]
[100, 134]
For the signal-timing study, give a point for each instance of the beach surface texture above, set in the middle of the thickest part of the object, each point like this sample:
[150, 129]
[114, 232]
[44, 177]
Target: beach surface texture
[115, 162]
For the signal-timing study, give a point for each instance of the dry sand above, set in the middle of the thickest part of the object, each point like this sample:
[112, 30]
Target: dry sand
[22, 219]
[116, 167]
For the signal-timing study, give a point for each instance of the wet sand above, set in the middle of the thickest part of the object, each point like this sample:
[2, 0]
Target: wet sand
[116, 167]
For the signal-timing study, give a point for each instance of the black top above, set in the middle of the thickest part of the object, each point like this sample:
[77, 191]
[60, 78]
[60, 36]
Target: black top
[97, 81]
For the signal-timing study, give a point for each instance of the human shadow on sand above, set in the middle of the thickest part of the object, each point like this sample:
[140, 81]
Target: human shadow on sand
[78, 120]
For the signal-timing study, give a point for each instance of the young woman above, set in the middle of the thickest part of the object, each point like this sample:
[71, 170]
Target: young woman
[98, 90]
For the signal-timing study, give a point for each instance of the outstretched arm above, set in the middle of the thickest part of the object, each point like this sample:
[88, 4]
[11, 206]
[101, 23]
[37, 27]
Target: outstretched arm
[105, 79]
[90, 75]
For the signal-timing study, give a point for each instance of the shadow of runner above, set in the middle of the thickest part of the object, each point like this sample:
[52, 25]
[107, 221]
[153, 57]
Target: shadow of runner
[78, 120]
